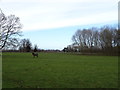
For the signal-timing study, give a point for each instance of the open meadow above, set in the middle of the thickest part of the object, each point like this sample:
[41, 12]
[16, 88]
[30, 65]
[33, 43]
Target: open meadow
[59, 70]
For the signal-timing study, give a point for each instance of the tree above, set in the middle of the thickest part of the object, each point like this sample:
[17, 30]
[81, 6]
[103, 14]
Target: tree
[9, 29]
[35, 48]
[105, 39]
[25, 45]
[65, 49]
[77, 38]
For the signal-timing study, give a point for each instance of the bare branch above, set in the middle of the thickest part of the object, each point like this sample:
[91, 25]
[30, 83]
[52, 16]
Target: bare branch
[9, 28]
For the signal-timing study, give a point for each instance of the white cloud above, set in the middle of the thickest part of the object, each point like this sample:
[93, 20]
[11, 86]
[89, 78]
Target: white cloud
[45, 14]
[92, 19]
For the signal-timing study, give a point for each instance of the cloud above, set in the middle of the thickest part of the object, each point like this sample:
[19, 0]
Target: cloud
[92, 19]
[45, 14]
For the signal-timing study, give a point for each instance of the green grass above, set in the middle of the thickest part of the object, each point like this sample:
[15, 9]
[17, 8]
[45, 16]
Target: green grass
[59, 70]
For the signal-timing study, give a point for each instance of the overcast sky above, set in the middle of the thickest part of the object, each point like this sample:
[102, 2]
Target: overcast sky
[39, 15]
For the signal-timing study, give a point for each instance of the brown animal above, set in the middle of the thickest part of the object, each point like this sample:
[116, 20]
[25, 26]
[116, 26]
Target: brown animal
[35, 54]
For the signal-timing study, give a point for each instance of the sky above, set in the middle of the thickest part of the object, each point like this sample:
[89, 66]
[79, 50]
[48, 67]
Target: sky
[51, 23]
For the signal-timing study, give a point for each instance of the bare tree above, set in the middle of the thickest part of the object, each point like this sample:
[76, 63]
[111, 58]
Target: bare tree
[25, 45]
[9, 28]
[105, 39]
[96, 39]
[76, 38]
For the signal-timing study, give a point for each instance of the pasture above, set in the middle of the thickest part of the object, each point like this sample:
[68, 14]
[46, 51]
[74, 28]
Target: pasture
[59, 70]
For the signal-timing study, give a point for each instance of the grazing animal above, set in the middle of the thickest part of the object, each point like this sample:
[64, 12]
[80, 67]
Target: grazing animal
[35, 54]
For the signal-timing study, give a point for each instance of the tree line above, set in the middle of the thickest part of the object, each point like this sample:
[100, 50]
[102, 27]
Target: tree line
[96, 40]
[26, 46]
[92, 40]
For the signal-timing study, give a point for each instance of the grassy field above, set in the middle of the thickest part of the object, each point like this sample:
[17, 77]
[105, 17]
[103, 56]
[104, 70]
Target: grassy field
[59, 70]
